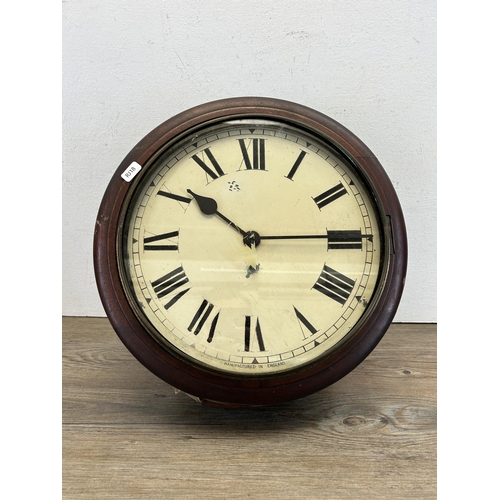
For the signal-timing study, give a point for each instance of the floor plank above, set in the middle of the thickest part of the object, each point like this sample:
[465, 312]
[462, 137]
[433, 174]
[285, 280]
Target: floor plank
[126, 434]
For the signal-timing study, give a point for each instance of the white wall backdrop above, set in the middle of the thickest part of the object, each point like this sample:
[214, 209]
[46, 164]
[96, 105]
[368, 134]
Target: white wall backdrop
[128, 66]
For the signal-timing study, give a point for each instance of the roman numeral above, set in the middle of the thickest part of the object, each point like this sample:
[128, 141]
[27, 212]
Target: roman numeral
[334, 285]
[176, 197]
[303, 320]
[160, 237]
[350, 239]
[344, 240]
[257, 161]
[330, 195]
[298, 161]
[213, 174]
[169, 284]
[248, 334]
[200, 318]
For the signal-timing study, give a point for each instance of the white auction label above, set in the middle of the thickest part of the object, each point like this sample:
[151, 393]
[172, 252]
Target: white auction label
[131, 171]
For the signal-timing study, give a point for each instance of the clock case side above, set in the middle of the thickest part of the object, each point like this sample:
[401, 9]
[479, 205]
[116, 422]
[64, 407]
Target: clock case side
[225, 390]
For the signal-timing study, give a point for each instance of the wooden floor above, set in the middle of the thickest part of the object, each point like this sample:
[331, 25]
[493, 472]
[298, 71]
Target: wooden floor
[127, 435]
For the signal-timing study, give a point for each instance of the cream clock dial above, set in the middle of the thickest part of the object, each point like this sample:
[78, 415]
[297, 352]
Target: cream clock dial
[253, 248]
[250, 251]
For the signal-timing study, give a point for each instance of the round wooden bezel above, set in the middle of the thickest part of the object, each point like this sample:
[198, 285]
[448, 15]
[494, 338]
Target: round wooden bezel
[218, 388]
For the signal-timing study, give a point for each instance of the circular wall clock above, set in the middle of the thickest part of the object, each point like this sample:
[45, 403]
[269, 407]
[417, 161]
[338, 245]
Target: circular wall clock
[250, 251]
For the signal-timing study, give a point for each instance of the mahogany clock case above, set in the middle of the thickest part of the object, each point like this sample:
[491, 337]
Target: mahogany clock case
[210, 386]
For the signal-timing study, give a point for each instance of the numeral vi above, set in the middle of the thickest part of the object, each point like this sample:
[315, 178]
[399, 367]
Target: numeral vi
[248, 334]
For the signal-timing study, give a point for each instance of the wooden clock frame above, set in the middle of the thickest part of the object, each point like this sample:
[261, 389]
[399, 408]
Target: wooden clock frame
[218, 388]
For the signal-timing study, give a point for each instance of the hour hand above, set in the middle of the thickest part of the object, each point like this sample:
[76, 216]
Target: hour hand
[208, 206]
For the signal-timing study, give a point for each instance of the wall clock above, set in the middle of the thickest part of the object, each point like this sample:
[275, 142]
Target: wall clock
[250, 251]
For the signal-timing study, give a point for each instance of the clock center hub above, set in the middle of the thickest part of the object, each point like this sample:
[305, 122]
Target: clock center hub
[251, 239]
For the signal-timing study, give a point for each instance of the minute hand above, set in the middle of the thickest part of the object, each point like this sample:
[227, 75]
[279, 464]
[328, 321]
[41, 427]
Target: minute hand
[337, 239]
[295, 237]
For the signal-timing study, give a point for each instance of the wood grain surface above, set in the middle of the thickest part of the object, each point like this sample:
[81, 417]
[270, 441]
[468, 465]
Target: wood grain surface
[128, 435]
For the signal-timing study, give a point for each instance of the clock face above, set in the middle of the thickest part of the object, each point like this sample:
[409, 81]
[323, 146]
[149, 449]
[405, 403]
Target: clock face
[251, 247]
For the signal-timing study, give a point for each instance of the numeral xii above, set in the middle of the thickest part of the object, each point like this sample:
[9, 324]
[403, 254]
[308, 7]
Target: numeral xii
[256, 160]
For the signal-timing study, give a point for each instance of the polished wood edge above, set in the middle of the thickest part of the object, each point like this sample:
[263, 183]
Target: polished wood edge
[214, 387]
